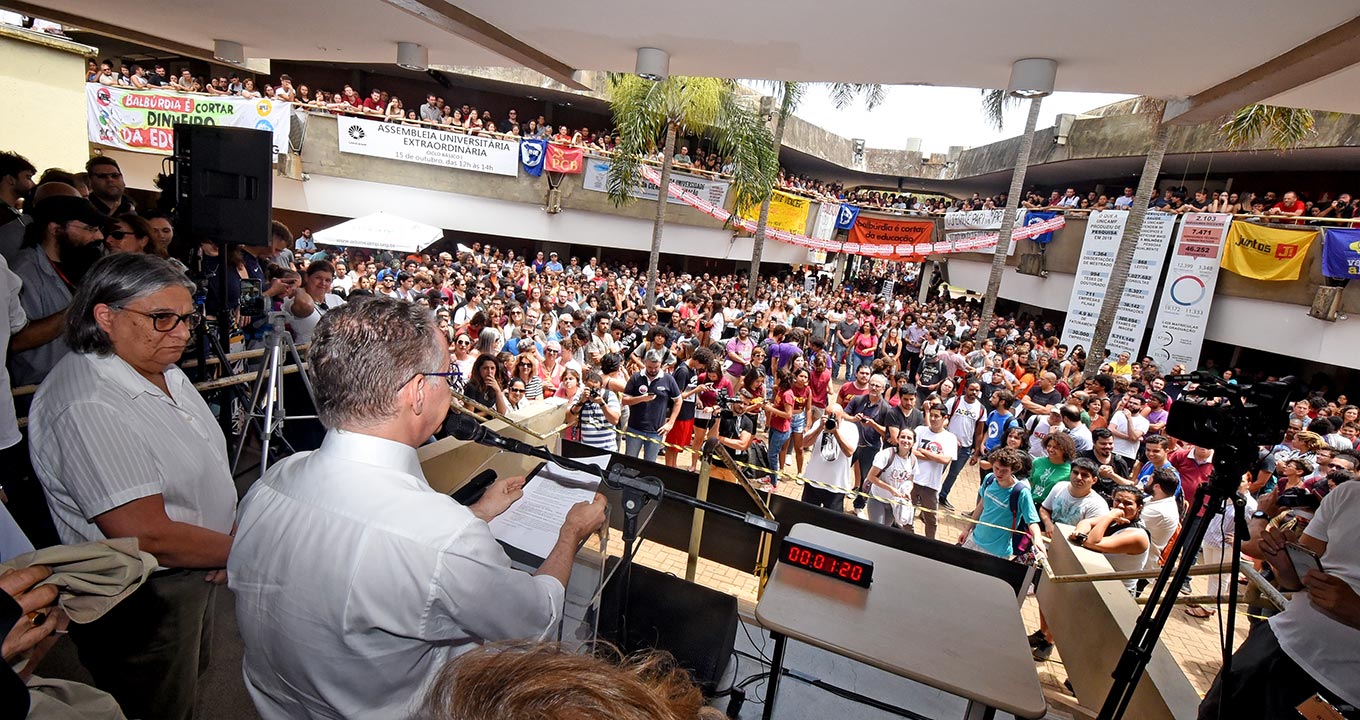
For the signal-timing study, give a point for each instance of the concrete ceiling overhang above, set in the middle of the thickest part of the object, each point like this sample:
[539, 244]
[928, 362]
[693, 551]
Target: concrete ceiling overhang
[1166, 49]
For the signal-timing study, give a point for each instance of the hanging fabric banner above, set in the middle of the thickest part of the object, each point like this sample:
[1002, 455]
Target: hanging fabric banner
[1098, 249]
[873, 249]
[788, 212]
[1035, 217]
[531, 156]
[563, 159]
[1265, 253]
[824, 228]
[1188, 294]
[1135, 307]
[892, 239]
[143, 120]
[1341, 253]
[846, 218]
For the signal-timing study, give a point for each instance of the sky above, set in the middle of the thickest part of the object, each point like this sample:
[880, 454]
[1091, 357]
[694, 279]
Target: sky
[940, 116]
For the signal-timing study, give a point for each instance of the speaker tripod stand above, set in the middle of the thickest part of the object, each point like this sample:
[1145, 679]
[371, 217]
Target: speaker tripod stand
[266, 411]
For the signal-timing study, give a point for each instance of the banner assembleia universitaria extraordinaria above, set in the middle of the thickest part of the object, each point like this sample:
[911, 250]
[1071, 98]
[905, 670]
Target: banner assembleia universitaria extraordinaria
[429, 146]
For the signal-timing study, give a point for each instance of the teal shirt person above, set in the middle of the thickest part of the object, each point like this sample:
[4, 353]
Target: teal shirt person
[996, 510]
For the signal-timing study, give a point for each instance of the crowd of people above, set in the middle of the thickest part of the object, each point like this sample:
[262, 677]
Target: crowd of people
[872, 400]
[438, 112]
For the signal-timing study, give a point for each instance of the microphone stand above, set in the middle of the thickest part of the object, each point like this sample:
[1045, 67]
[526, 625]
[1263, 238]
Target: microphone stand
[637, 490]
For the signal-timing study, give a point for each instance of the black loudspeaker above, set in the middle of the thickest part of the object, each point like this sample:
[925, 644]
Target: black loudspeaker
[695, 624]
[224, 180]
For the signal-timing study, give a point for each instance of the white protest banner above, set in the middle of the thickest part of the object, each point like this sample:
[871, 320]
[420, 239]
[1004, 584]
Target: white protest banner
[971, 227]
[1130, 320]
[713, 191]
[1191, 276]
[429, 146]
[824, 227]
[1103, 232]
[144, 120]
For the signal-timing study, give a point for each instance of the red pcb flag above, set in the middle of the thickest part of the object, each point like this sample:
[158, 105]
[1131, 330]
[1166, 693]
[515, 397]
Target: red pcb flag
[892, 239]
[563, 159]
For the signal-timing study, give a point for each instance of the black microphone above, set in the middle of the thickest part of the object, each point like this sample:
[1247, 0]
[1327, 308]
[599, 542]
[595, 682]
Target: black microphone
[466, 428]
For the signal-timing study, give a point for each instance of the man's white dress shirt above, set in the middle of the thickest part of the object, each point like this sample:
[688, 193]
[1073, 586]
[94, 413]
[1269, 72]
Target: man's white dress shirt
[355, 582]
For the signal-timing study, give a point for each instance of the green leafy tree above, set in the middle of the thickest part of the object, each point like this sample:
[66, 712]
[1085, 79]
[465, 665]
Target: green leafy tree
[788, 95]
[714, 108]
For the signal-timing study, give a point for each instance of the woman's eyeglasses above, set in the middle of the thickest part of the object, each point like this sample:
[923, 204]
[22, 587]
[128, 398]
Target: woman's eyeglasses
[166, 321]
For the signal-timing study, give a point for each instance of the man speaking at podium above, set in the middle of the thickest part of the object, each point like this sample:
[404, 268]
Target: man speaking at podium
[355, 582]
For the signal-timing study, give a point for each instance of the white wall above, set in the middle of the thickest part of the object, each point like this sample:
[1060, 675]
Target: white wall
[1275, 327]
[1052, 293]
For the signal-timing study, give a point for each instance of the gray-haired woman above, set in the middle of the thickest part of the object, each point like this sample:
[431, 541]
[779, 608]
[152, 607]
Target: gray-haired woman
[125, 447]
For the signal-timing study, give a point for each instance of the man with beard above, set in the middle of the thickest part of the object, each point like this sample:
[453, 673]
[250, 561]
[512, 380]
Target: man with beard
[62, 243]
[16, 182]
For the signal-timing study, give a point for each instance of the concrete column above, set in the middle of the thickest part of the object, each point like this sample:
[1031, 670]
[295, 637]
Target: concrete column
[927, 273]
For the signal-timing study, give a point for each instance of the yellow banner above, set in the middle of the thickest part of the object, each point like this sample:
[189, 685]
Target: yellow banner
[787, 212]
[1266, 253]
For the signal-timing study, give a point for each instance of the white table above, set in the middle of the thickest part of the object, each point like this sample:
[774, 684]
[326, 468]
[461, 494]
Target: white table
[928, 621]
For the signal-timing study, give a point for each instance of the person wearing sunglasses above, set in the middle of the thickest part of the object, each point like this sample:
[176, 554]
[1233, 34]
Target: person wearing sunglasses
[128, 233]
[108, 191]
[124, 446]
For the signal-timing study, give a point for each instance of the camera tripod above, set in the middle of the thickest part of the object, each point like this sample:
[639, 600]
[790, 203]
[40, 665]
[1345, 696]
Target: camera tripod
[266, 411]
[1210, 501]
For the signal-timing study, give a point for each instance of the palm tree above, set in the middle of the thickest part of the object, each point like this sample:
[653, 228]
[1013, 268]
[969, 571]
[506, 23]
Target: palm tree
[789, 94]
[1283, 127]
[712, 107]
[996, 102]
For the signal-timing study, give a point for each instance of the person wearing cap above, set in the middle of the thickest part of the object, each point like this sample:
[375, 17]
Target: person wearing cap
[65, 239]
[554, 265]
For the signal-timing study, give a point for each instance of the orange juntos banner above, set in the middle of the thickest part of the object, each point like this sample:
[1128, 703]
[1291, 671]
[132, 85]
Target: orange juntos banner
[561, 159]
[891, 239]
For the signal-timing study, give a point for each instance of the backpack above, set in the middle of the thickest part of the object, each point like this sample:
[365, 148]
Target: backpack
[1021, 542]
[758, 455]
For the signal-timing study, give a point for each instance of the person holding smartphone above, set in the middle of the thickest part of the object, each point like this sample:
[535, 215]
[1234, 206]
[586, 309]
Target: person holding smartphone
[1313, 646]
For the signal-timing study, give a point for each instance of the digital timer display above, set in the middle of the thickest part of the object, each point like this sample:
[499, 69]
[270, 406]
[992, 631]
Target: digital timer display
[828, 562]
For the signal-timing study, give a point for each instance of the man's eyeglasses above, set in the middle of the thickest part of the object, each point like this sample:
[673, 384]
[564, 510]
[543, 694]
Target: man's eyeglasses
[167, 321]
[119, 234]
[107, 175]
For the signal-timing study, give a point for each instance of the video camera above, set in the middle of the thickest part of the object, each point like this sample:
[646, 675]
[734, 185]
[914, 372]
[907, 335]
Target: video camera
[1231, 419]
[727, 415]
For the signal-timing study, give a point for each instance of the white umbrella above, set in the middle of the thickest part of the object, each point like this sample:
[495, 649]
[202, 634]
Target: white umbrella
[381, 231]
